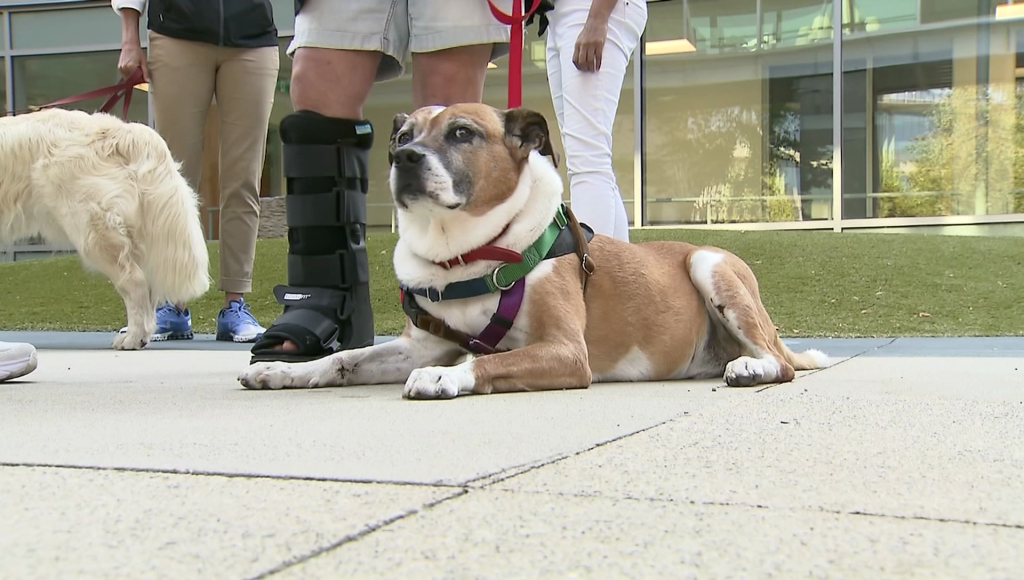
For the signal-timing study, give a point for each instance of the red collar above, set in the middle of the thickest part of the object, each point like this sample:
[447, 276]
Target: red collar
[485, 252]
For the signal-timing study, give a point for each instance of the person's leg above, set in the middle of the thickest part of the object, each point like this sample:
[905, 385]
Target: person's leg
[554, 70]
[450, 60]
[449, 76]
[337, 57]
[183, 76]
[17, 359]
[590, 101]
[246, 81]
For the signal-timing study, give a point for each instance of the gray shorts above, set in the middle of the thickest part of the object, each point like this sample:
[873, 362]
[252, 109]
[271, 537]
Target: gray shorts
[399, 27]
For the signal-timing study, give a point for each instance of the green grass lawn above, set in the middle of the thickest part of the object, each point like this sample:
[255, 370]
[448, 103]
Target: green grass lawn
[814, 284]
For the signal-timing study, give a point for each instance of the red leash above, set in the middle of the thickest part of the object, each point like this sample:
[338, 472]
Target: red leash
[515, 55]
[114, 93]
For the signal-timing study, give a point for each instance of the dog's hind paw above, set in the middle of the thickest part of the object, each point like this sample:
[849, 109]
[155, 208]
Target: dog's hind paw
[277, 375]
[746, 371]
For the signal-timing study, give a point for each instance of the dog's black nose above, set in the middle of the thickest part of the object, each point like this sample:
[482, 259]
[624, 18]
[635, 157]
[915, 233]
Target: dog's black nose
[408, 156]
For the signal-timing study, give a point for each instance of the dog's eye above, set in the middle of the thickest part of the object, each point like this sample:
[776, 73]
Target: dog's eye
[403, 138]
[462, 133]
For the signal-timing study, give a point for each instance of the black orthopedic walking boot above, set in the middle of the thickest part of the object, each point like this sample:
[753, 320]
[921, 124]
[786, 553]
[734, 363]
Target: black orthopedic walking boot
[327, 300]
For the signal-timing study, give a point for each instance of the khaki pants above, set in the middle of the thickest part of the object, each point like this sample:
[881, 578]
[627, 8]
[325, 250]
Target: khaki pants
[185, 77]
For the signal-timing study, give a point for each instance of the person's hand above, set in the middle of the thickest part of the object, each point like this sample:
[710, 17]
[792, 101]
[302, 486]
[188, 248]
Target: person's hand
[132, 58]
[590, 46]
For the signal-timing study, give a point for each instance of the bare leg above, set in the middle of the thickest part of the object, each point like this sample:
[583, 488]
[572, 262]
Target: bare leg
[334, 83]
[446, 77]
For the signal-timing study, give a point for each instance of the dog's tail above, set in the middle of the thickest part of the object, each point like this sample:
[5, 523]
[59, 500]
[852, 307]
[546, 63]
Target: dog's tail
[807, 360]
[174, 257]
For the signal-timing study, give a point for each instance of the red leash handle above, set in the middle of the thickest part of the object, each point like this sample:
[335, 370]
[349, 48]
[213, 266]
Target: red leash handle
[515, 55]
[114, 93]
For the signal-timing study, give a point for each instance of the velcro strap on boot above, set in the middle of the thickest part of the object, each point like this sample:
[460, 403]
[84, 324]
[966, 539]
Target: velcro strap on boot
[338, 270]
[299, 322]
[339, 160]
[308, 297]
[337, 207]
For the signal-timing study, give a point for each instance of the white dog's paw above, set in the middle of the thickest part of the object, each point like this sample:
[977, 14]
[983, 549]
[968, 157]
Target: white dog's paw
[746, 371]
[278, 375]
[131, 341]
[439, 382]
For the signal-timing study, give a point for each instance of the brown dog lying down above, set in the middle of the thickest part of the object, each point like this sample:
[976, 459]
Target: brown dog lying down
[492, 264]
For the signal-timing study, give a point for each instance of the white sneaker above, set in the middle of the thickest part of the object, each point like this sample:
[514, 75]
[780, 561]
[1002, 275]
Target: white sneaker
[17, 359]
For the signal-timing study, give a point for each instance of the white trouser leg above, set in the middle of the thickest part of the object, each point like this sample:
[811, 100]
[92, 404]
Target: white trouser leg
[586, 103]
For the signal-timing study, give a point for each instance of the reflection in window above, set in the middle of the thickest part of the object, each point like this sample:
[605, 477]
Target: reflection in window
[45, 78]
[934, 123]
[739, 129]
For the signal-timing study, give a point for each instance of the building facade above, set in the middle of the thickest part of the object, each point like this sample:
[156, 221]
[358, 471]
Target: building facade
[906, 115]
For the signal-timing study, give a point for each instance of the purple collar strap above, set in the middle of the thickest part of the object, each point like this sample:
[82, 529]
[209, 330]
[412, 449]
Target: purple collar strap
[501, 322]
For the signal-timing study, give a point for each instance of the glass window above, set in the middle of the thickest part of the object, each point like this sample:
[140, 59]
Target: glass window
[933, 120]
[3, 85]
[45, 78]
[77, 27]
[738, 111]
[868, 16]
[284, 16]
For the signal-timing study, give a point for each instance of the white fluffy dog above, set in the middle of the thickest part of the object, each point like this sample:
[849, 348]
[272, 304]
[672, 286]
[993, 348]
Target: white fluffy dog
[113, 191]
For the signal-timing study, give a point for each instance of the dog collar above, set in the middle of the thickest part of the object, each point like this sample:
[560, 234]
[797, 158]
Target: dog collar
[506, 274]
[486, 252]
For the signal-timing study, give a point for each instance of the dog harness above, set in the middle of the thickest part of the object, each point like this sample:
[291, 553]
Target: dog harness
[563, 236]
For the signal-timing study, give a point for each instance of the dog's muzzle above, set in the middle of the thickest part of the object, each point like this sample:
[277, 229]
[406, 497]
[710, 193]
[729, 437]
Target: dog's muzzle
[407, 178]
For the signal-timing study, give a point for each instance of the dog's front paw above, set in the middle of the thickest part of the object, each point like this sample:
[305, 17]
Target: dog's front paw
[278, 375]
[439, 382]
[746, 371]
[131, 341]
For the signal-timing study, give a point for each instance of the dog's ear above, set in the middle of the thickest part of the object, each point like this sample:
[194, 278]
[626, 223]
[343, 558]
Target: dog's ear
[396, 125]
[526, 131]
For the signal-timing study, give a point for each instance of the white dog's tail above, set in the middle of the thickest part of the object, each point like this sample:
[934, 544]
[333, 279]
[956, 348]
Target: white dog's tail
[175, 258]
[808, 360]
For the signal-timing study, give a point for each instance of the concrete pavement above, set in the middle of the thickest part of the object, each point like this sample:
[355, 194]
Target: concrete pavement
[904, 459]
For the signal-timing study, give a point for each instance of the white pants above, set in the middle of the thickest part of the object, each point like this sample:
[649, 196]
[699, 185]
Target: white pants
[586, 103]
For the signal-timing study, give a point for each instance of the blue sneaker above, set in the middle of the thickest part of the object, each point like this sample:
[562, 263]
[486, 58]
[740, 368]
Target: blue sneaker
[236, 324]
[172, 323]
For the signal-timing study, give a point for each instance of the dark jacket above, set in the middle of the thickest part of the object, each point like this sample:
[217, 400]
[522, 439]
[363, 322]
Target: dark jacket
[235, 23]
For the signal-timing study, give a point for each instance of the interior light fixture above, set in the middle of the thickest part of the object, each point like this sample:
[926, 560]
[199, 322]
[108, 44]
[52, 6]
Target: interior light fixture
[1009, 11]
[491, 65]
[676, 46]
